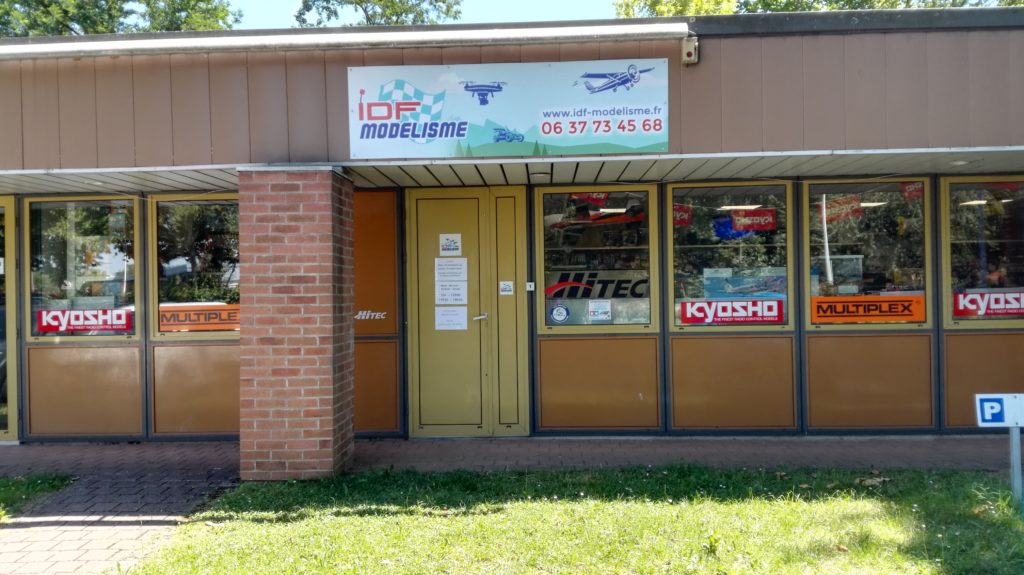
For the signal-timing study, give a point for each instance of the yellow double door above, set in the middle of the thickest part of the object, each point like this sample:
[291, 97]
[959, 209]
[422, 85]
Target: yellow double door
[468, 372]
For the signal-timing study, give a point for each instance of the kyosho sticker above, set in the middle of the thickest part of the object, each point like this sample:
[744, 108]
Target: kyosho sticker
[988, 304]
[731, 311]
[67, 320]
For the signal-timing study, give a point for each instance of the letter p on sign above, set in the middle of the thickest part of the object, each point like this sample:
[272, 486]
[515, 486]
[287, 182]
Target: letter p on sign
[992, 410]
[999, 409]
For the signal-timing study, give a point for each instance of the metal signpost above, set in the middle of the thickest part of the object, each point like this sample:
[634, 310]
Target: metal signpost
[1005, 410]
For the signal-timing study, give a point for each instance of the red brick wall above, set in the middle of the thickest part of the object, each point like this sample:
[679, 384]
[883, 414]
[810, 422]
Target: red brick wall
[297, 347]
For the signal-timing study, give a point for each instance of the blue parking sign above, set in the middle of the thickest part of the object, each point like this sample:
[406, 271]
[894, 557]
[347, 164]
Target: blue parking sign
[992, 410]
[999, 409]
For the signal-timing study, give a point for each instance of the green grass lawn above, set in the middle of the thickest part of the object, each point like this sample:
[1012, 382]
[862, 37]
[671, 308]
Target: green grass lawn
[674, 520]
[15, 492]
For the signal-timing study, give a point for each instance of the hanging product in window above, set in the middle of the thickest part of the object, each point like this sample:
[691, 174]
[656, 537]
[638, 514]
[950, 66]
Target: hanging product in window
[597, 258]
[729, 255]
[198, 274]
[986, 235]
[867, 252]
[82, 267]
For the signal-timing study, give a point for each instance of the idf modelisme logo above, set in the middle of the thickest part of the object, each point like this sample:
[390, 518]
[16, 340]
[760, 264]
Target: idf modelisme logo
[404, 112]
[587, 285]
[731, 311]
[981, 304]
[64, 320]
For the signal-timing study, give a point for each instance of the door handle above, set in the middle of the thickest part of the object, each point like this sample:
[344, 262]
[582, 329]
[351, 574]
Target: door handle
[480, 317]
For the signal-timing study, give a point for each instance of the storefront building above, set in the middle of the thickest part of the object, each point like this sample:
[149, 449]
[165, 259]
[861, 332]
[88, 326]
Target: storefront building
[761, 224]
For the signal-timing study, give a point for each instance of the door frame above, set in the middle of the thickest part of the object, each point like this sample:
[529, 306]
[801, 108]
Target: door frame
[11, 319]
[489, 300]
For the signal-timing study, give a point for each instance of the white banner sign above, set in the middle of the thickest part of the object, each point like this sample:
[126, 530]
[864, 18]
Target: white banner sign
[519, 109]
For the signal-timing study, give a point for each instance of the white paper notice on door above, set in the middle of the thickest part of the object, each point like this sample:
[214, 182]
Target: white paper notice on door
[450, 318]
[450, 293]
[451, 270]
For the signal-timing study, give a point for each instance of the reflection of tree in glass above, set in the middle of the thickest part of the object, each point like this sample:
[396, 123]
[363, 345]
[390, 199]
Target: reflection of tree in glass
[71, 242]
[707, 242]
[887, 230]
[197, 247]
[986, 236]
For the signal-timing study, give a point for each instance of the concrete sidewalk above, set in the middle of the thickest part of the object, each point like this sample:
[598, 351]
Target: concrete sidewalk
[127, 497]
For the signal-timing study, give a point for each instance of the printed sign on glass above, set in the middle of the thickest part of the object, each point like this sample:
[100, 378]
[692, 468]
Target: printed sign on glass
[79, 320]
[515, 109]
[869, 309]
[199, 317]
[978, 304]
[842, 208]
[682, 215]
[712, 311]
[762, 220]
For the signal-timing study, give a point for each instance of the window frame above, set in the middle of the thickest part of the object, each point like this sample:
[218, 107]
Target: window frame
[654, 262]
[790, 323]
[152, 297]
[929, 267]
[138, 318]
[946, 238]
[11, 320]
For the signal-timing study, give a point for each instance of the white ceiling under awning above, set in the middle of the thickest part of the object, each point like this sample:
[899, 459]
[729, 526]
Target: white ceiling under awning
[685, 167]
[542, 171]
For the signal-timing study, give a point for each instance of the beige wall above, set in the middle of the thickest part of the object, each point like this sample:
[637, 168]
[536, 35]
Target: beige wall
[748, 94]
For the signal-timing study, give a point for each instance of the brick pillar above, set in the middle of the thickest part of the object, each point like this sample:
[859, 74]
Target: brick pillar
[297, 346]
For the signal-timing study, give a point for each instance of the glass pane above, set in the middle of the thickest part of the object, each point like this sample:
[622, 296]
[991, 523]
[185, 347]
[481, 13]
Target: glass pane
[986, 235]
[867, 253]
[4, 397]
[83, 268]
[596, 259]
[197, 249]
[729, 259]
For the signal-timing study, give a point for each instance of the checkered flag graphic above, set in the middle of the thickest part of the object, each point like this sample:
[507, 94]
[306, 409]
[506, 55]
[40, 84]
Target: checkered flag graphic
[431, 105]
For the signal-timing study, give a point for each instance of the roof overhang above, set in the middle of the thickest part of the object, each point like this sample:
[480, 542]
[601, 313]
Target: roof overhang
[542, 171]
[343, 38]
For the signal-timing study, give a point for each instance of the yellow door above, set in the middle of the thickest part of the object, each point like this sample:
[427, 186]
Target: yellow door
[8, 343]
[467, 312]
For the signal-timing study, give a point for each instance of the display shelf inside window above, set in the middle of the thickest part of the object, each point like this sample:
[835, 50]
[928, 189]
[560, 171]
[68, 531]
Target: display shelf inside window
[867, 255]
[730, 255]
[986, 250]
[597, 258]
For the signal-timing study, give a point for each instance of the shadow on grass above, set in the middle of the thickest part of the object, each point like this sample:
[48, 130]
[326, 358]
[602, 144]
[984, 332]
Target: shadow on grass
[960, 522]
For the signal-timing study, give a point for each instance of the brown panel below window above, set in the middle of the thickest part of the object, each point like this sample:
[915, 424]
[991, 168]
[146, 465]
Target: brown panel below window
[869, 381]
[599, 383]
[376, 387]
[980, 363]
[376, 289]
[84, 391]
[733, 382]
[195, 389]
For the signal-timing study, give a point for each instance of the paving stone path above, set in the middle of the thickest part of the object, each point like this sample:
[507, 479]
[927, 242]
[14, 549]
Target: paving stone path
[127, 497]
[125, 500]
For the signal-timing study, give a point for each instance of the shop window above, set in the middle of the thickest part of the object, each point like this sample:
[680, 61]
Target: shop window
[986, 250]
[867, 253]
[730, 256]
[197, 266]
[597, 258]
[82, 262]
